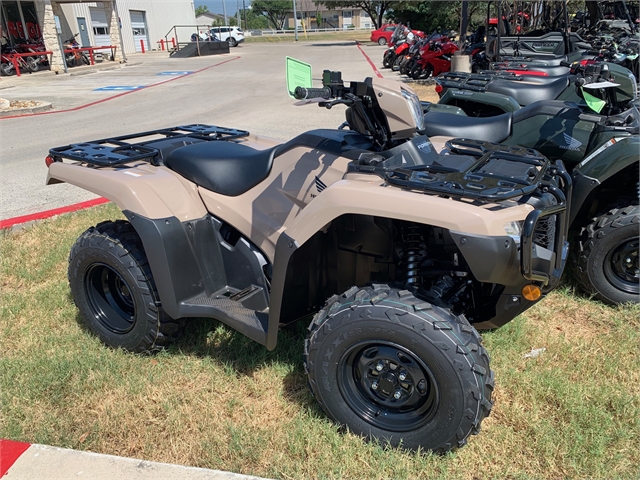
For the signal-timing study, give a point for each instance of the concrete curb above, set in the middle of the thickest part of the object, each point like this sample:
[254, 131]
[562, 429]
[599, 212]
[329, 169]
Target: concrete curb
[19, 111]
[20, 460]
[94, 69]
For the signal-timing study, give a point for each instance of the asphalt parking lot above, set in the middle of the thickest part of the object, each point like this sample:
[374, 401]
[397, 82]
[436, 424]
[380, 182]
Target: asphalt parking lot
[243, 89]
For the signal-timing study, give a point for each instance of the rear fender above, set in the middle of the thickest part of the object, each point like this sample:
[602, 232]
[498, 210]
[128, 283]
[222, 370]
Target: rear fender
[153, 192]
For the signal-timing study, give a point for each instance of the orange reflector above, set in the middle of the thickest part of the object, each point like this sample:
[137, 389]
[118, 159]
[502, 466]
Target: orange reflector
[48, 161]
[531, 292]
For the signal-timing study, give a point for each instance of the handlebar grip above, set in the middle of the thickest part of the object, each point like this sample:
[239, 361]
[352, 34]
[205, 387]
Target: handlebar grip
[302, 93]
[564, 63]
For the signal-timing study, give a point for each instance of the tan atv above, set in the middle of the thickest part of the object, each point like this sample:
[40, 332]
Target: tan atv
[397, 251]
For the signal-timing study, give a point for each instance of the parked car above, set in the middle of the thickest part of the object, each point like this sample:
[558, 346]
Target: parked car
[233, 35]
[383, 34]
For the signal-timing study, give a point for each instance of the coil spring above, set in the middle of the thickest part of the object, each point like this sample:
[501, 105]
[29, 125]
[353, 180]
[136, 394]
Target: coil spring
[415, 251]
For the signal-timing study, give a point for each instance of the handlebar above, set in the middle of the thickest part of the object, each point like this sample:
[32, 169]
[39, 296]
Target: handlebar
[302, 93]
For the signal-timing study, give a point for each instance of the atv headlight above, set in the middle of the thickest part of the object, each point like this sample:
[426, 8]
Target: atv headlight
[415, 107]
[514, 230]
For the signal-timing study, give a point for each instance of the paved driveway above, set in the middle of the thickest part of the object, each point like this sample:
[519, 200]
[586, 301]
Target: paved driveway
[244, 89]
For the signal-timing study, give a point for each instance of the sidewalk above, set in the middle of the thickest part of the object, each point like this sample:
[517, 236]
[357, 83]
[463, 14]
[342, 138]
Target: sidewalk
[26, 461]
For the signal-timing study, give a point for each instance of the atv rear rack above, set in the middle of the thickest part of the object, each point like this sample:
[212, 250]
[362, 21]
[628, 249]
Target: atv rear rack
[118, 150]
[476, 82]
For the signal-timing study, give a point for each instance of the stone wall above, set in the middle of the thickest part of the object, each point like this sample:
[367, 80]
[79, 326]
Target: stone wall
[46, 11]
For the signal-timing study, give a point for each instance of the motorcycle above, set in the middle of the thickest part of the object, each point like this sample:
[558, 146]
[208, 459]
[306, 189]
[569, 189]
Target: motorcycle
[399, 46]
[75, 56]
[366, 228]
[9, 55]
[408, 61]
[599, 142]
[434, 61]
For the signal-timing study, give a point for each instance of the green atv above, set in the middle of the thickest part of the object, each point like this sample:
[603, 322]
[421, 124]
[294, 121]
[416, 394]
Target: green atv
[598, 140]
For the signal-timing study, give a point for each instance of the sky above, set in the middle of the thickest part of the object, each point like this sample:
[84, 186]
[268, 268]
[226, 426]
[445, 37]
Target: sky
[215, 6]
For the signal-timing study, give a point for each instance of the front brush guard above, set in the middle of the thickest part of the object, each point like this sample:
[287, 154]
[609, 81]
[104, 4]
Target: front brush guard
[561, 246]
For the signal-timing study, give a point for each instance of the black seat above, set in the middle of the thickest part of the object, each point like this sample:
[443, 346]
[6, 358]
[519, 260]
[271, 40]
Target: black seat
[226, 168]
[525, 93]
[548, 108]
[491, 129]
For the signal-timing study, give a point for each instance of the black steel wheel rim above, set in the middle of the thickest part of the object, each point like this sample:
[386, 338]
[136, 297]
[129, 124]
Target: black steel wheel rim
[387, 386]
[110, 298]
[621, 266]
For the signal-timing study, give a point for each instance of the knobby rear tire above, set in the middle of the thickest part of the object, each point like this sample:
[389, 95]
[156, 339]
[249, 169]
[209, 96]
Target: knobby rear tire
[392, 327]
[112, 286]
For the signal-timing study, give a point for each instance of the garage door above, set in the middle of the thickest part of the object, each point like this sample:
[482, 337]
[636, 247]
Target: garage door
[139, 27]
[100, 27]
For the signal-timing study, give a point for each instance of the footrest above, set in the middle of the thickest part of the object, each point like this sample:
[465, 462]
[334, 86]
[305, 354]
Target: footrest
[248, 322]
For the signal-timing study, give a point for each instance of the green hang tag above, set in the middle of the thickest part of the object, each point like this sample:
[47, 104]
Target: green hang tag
[298, 75]
[594, 103]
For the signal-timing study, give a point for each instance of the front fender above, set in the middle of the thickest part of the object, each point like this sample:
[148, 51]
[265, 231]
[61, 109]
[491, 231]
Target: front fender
[361, 197]
[373, 198]
[611, 158]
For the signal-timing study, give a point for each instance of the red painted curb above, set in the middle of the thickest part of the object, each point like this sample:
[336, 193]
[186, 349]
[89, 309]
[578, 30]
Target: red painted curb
[10, 451]
[119, 94]
[375, 70]
[10, 222]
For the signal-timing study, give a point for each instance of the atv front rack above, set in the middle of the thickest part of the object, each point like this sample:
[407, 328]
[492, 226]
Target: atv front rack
[502, 172]
[118, 150]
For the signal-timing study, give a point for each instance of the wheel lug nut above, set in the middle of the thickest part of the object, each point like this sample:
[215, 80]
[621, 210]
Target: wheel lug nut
[402, 376]
[397, 394]
[374, 385]
[379, 366]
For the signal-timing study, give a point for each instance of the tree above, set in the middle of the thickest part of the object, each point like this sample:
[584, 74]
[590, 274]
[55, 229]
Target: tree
[253, 19]
[275, 10]
[375, 9]
[427, 16]
[200, 9]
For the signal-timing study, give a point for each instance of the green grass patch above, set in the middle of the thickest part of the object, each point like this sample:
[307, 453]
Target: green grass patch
[343, 36]
[218, 400]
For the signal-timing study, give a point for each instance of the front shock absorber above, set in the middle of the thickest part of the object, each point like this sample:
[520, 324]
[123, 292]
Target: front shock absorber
[415, 251]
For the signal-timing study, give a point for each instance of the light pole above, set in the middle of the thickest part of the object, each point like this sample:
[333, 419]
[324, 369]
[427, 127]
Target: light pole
[244, 11]
[295, 20]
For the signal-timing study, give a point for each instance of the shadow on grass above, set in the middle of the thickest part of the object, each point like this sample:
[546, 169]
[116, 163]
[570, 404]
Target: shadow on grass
[205, 337]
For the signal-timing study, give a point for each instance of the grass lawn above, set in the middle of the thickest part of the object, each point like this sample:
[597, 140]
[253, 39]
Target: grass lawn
[346, 35]
[217, 400]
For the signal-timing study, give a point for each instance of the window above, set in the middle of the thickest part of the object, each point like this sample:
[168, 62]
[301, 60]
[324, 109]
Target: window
[139, 31]
[389, 29]
[100, 30]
